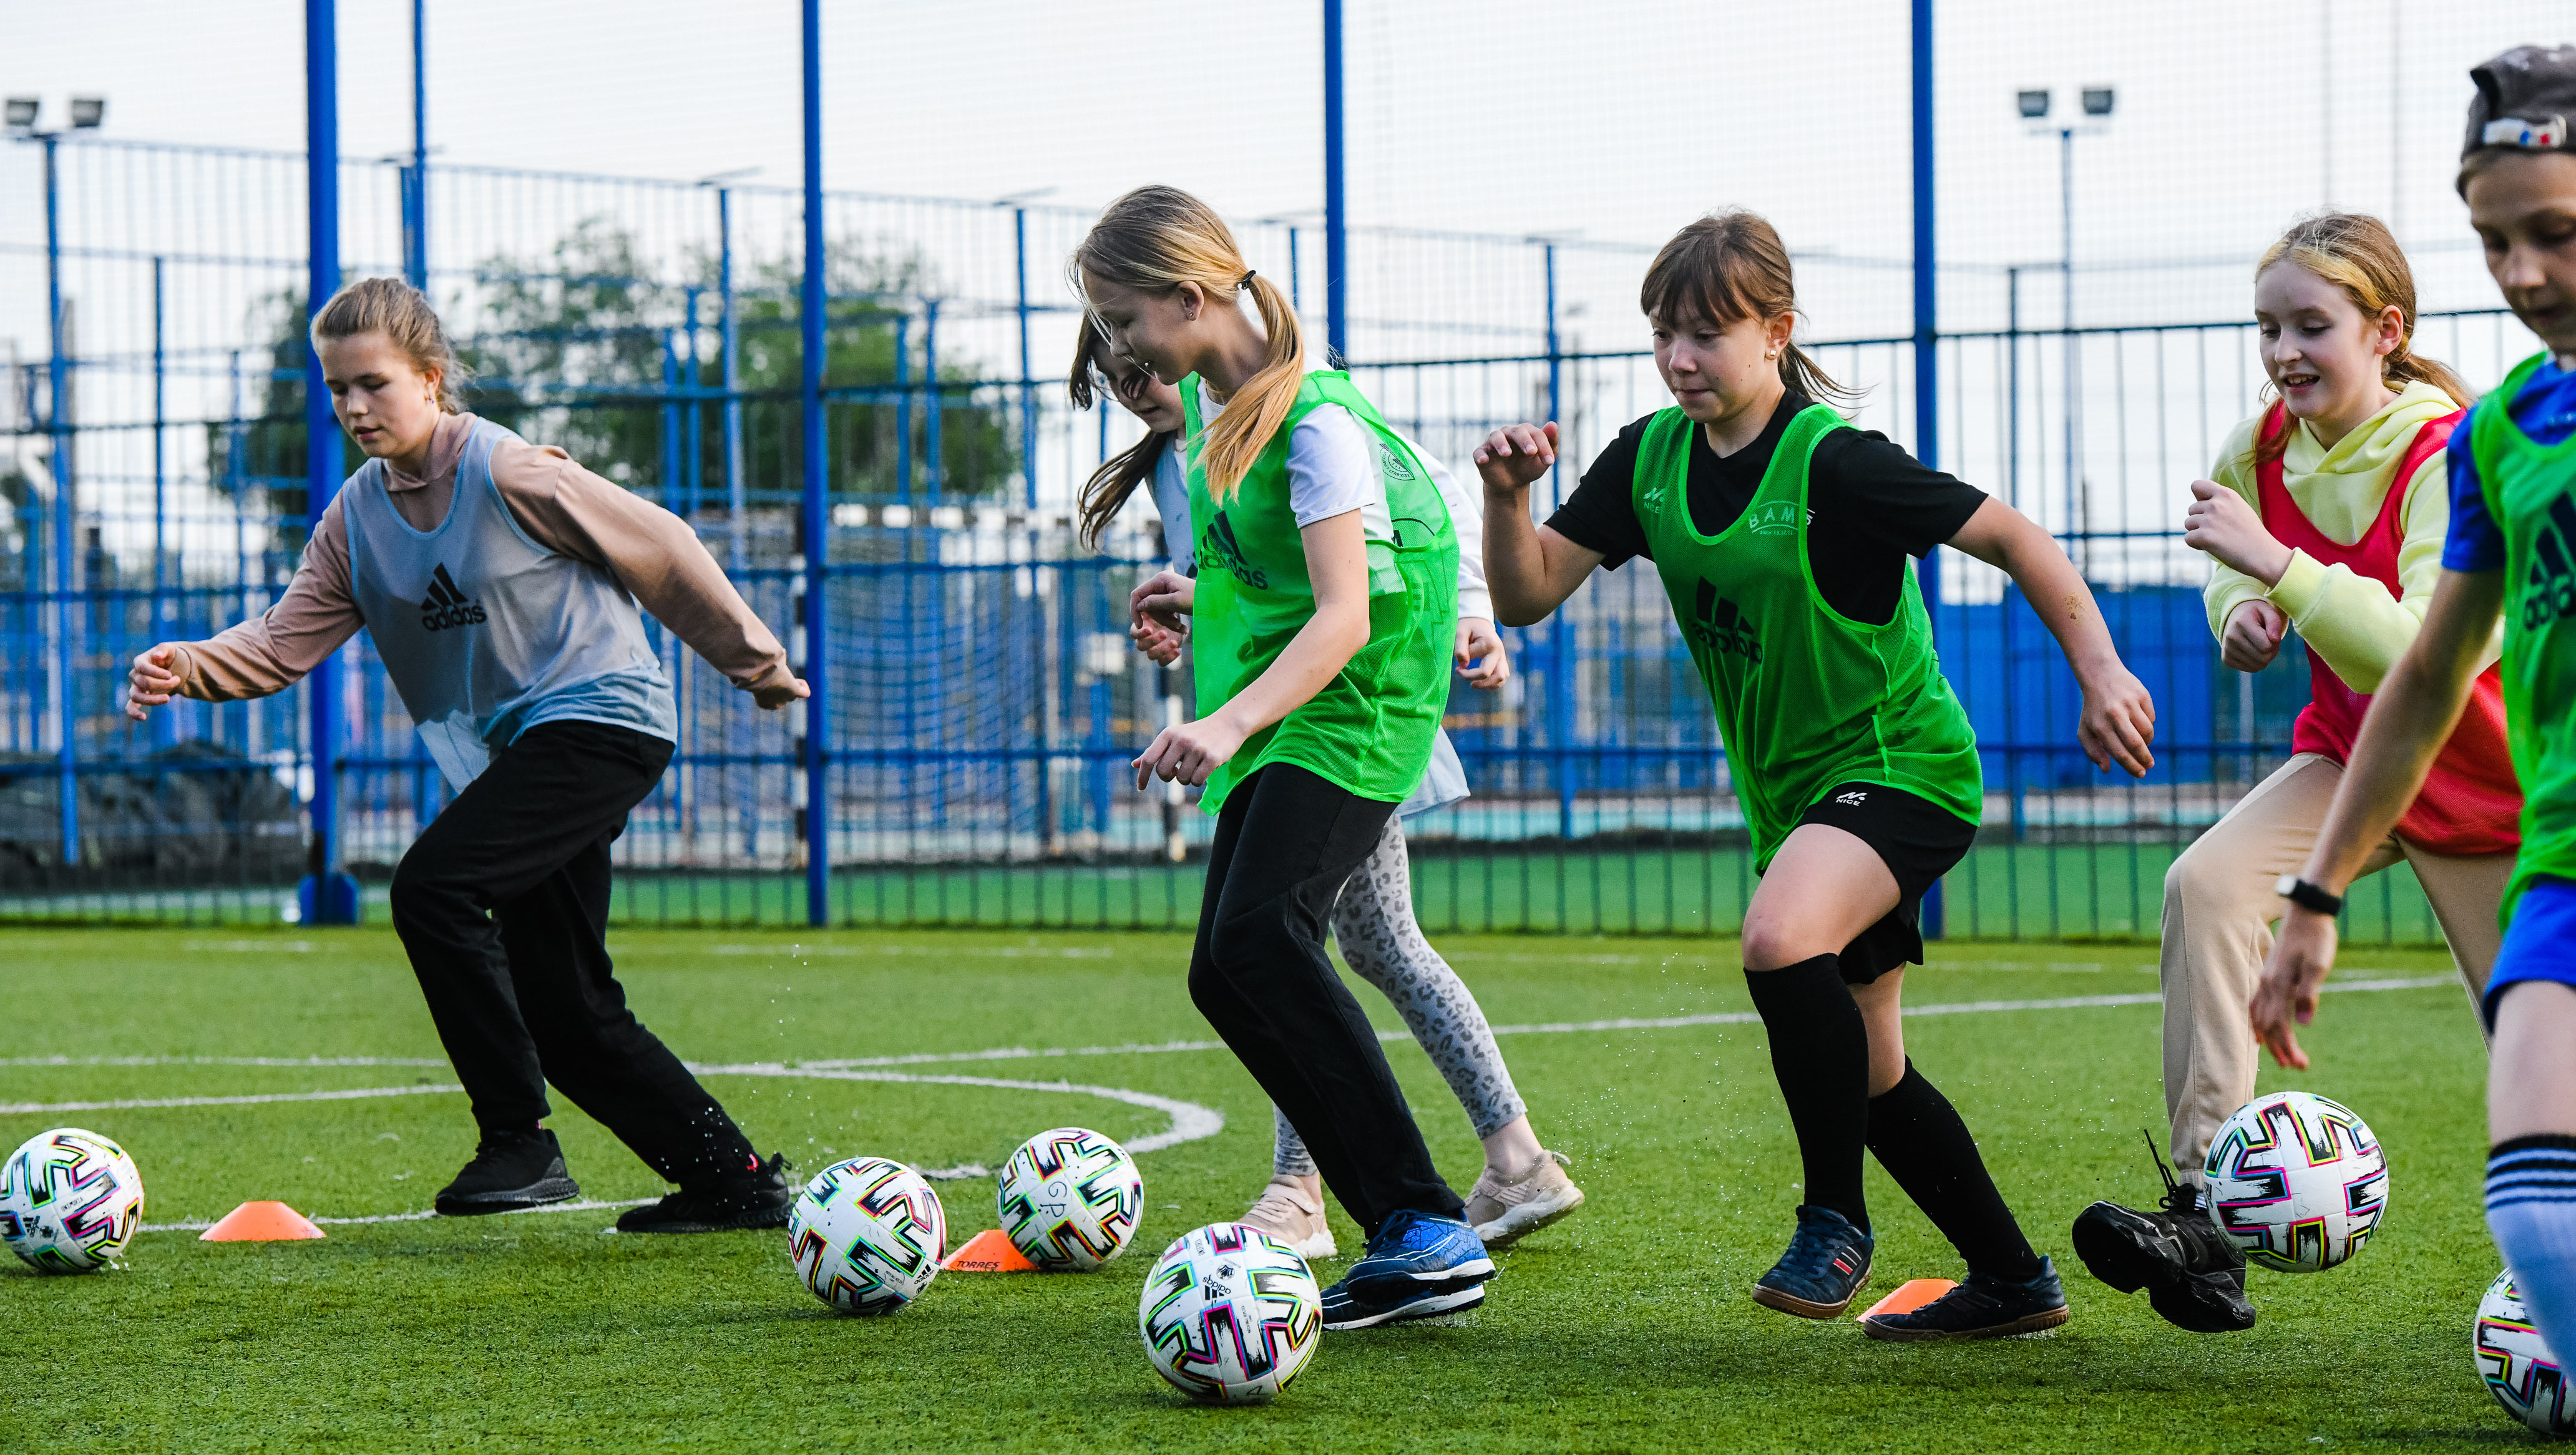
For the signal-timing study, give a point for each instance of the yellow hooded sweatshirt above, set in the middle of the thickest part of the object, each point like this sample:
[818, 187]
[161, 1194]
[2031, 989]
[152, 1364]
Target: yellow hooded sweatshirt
[2351, 621]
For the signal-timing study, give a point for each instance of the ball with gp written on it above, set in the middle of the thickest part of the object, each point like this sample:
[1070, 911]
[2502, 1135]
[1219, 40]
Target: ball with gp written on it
[1069, 1199]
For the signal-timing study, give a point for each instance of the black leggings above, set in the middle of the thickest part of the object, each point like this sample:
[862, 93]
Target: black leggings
[1285, 842]
[502, 904]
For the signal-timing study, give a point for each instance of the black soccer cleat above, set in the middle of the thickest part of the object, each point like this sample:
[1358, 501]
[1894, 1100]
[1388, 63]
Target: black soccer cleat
[758, 1198]
[1984, 1307]
[2193, 1274]
[511, 1171]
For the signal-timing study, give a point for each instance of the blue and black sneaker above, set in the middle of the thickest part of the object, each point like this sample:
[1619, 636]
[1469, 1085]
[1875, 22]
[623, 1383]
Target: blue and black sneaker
[1344, 1309]
[1413, 1250]
[1984, 1307]
[1826, 1264]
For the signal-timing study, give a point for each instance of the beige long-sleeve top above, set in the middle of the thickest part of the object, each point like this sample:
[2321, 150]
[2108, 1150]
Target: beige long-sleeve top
[563, 507]
[2355, 623]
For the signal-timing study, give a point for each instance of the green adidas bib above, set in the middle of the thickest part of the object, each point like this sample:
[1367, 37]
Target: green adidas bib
[1806, 698]
[2530, 491]
[1370, 729]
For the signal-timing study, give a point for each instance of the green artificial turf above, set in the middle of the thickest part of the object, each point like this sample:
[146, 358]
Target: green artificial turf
[1627, 1327]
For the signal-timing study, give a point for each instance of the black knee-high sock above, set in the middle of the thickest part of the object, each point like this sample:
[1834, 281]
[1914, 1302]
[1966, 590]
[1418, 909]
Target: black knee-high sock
[1820, 1053]
[1918, 1137]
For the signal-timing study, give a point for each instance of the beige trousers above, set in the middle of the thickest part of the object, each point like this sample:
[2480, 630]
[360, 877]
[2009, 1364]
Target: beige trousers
[2218, 918]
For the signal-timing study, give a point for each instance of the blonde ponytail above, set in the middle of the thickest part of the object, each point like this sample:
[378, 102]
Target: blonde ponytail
[2357, 253]
[1155, 239]
[402, 313]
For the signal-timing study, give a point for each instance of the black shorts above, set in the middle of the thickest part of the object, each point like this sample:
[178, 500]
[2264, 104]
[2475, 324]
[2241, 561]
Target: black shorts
[1919, 840]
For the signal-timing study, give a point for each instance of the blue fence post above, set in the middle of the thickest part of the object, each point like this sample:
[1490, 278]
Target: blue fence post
[1337, 249]
[326, 896]
[903, 407]
[1028, 382]
[816, 515]
[730, 336]
[415, 189]
[1927, 350]
[1560, 632]
[165, 723]
[59, 427]
[934, 459]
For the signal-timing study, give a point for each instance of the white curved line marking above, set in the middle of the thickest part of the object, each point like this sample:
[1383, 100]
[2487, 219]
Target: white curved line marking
[1190, 1121]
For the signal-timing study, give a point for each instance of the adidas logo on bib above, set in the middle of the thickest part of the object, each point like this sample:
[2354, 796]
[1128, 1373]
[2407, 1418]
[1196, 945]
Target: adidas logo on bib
[1721, 627]
[2549, 594]
[447, 606]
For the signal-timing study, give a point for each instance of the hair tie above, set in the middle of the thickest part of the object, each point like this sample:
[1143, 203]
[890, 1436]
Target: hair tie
[1246, 280]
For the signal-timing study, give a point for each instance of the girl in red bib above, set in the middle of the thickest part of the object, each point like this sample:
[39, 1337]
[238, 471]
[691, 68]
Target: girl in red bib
[2328, 513]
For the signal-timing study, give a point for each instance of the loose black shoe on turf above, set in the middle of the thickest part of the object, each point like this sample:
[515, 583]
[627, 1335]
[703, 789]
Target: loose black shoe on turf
[1825, 1265]
[510, 1171]
[1984, 1307]
[2193, 1274]
[755, 1199]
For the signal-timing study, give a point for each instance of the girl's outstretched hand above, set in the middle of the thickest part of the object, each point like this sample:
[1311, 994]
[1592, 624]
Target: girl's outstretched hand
[153, 680]
[1482, 659]
[2119, 721]
[1512, 458]
[2220, 522]
[2286, 997]
[1188, 753]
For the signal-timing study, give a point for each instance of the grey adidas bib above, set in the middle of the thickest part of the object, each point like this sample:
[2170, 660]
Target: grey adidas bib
[486, 634]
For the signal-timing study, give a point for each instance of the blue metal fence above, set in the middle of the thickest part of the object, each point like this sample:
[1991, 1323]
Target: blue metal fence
[982, 699]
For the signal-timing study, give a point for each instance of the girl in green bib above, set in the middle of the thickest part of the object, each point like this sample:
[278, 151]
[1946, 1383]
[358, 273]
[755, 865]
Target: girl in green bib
[1781, 534]
[1322, 617]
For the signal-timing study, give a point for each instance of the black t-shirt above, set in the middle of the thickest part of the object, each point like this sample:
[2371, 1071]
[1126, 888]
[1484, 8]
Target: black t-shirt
[1869, 506]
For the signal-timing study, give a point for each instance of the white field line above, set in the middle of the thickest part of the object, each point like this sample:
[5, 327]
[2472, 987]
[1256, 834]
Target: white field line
[1190, 1121]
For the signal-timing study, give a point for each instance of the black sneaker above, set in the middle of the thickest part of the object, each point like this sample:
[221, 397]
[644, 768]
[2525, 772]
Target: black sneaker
[755, 1199]
[1825, 1265]
[1984, 1307]
[2194, 1274]
[510, 1171]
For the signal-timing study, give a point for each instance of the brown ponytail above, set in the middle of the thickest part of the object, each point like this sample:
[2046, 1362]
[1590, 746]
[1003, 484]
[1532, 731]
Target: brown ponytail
[1107, 491]
[402, 313]
[1154, 239]
[1727, 267]
[2357, 253]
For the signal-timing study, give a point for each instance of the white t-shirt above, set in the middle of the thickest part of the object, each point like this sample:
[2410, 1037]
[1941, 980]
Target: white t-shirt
[1333, 470]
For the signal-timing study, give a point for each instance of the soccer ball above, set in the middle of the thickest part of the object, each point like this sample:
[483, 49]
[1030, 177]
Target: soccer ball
[867, 1235]
[69, 1201]
[1230, 1314]
[1069, 1199]
[2519, 1369]
[2297, 1181]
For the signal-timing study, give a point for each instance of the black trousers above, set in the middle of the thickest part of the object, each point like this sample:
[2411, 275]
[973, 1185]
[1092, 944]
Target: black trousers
[502, 904]
[1285, 842]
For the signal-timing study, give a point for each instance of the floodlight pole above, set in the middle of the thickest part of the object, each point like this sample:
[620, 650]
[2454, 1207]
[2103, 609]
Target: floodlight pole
[326, 896]
[816, 515]
[2074, 347]
[1337, 242]
[1927, 351]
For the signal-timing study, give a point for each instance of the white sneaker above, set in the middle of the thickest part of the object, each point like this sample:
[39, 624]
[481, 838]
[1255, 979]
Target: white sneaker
[1500, 1211]
[1285, 1212]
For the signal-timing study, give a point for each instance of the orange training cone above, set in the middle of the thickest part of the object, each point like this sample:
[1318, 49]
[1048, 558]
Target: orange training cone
[261, 1222]
[991, 1251]
[1910, 1295]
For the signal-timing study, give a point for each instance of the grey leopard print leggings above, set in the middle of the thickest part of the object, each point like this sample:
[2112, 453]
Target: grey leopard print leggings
[1373, 923]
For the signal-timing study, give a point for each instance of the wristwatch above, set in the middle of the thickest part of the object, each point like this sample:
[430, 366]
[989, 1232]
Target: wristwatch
[2300, 892]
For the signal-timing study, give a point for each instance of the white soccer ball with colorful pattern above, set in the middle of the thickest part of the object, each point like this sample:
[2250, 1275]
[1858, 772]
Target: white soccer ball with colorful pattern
[2519, 1370]
[70, 1201]
[867, 1235]
[1069, 1199]
[2296, 1181]
[1230, 1314]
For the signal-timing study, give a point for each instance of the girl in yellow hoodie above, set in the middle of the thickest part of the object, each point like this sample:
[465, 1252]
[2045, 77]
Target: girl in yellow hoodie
[2327, 513]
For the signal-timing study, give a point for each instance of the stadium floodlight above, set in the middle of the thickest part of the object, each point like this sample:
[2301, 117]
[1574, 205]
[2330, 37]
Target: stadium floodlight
[22, 113]
[88, 111]
[2097, 100]
[2034, 105]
